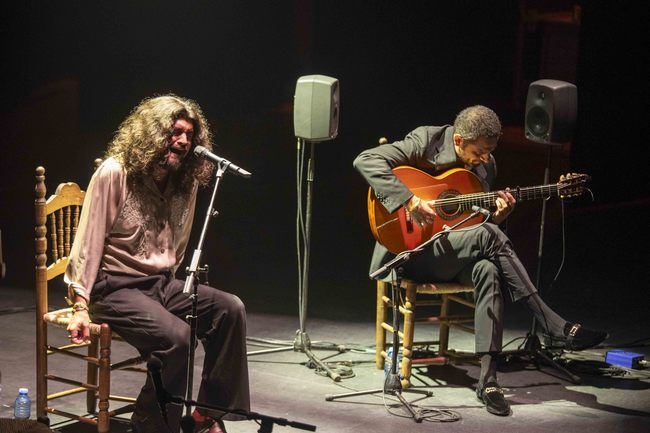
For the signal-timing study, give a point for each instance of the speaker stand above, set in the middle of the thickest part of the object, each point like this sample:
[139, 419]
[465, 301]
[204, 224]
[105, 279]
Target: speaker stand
[302, 342]
[532, 351]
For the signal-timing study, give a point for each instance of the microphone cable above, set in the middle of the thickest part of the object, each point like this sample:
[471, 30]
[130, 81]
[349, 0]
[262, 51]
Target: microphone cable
[561, 266]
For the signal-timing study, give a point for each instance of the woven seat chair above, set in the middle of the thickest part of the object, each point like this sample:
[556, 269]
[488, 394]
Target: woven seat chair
[57, 219]
[445, 295]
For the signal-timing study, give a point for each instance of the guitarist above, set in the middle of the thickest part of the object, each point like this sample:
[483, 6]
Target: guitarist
[483, 257]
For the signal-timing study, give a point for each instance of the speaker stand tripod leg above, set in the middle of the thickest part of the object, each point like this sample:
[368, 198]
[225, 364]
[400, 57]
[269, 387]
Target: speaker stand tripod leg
[534, 348]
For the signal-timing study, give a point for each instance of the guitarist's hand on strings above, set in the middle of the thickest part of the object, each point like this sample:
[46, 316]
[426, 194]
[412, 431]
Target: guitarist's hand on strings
[420, 210]
[505, 203]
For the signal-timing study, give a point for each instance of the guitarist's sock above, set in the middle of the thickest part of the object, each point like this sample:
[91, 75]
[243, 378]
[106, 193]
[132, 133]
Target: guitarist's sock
[488, 369]
[553, 324]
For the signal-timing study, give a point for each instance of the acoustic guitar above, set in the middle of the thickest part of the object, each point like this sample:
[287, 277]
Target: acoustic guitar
[452, 195]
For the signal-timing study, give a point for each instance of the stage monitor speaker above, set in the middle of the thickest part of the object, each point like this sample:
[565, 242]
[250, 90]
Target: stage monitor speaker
[316, 108]
[551, 109]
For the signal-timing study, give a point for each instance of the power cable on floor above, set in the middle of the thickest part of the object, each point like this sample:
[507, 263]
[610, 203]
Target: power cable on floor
[427, 413]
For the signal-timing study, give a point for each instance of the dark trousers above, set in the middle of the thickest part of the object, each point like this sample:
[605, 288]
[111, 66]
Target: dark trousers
[149, 313]
[485, 258]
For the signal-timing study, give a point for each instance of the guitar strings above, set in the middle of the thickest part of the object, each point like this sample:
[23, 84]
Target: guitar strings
[488, 198]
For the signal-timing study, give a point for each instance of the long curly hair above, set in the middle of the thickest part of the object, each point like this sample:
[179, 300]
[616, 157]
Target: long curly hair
[147, 130]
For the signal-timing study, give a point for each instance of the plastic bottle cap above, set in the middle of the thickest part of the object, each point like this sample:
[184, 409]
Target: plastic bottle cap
[23, 391]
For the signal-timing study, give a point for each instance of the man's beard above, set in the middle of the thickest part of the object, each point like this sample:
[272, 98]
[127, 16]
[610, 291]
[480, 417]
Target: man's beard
[174, 165]
[168, 162]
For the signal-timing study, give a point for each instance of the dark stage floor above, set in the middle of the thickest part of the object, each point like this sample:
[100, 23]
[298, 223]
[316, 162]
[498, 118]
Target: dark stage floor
[282, 386]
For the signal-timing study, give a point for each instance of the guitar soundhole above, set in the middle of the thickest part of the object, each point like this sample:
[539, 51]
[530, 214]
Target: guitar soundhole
[448, 211]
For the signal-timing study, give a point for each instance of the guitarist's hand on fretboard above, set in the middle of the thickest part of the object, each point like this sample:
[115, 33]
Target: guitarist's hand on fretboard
[420, 211]
[505, 204]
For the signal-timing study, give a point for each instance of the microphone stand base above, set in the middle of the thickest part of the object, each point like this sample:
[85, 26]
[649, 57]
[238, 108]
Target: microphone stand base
[392, 386]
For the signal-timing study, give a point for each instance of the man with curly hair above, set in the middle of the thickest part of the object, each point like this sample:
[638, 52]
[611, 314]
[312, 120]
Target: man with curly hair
[483, 257]
[132, 235]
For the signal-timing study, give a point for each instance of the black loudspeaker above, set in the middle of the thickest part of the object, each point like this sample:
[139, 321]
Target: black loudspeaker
[316, 108]
[551, 109]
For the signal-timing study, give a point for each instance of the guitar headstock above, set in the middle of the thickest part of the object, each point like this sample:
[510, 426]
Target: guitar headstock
[572, 184]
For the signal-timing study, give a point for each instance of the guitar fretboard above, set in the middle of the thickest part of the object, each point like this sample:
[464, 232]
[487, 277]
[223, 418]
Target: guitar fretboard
[488, 199]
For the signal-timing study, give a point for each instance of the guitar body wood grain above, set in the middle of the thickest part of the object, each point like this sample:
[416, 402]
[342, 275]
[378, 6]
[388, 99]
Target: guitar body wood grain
[397, 231]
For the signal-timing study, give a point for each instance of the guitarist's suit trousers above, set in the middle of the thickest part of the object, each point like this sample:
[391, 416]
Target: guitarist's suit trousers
[484, 258]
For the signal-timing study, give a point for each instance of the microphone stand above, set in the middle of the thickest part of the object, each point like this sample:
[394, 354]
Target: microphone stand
[192, 283]
[266, 422]
[393, 383]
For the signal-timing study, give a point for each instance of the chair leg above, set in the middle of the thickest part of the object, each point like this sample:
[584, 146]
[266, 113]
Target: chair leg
[444, 326]
[409, 331]
[91, 398]
[104, 389]
[380, 332]
[41, 370]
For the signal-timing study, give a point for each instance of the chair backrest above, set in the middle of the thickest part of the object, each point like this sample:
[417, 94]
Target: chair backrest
[57, 218]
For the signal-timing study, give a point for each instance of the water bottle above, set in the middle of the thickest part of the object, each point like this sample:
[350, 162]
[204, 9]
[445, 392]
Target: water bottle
[22, 405]
[389, 361]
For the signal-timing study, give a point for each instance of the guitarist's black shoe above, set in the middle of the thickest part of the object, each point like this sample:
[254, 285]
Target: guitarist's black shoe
[492, 395]
[576, 337]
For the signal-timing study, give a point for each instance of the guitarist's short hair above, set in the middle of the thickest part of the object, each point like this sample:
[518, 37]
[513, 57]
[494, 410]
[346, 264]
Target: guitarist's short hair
[477, 121]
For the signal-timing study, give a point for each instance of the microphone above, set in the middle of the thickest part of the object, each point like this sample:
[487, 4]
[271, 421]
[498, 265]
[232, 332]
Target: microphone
[205, 153]
[482, 211]
[154, 366]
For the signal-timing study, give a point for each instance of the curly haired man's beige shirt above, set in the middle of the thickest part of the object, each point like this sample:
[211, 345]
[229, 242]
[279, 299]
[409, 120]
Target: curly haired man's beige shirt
[128, 227]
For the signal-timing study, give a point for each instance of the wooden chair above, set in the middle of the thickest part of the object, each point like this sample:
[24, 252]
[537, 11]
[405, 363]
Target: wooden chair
[60, 214]
[444, 295]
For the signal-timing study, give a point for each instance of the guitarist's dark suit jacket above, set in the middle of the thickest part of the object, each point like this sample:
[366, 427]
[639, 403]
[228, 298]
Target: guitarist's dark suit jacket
[428, 148]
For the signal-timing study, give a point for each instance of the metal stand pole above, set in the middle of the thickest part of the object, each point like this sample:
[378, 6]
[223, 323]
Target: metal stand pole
[191, 285]
[540, 242]
[532, 346]
[302, 342]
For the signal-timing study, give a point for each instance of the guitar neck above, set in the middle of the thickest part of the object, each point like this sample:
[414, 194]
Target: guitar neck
[488, 199]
